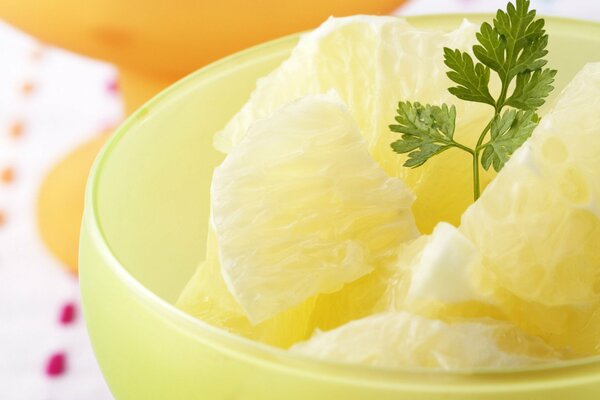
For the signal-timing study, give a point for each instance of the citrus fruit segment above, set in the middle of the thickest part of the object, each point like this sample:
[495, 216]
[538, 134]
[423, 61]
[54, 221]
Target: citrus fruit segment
[538, 224]
[440, 276]
[529, 244]
[207, 298]
[401, 340]
[300, 208]
[374, 62]
[445, 269]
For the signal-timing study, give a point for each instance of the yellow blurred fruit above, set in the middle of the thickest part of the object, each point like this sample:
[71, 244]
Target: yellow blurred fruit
[373, 62]
[60, 202]
[403, 340]
[300, 208]
[153, 44]
[158, 42]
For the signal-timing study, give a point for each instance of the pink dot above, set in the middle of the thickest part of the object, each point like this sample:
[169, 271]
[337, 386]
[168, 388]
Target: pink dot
[67, 314]
[56, 365]
[112, 86]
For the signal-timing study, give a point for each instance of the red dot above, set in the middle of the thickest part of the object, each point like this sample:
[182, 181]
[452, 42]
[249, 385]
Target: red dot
[112, 86]
[67, 314]
[56, 365]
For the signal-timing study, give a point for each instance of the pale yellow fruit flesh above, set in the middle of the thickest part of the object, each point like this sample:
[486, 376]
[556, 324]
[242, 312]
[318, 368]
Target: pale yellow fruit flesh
[527, 249]
[207, 298]
[530, 243]
[374, 62]
[400, 340]
[300, 208]
[319, 151]
[440, 276]
[538, 224]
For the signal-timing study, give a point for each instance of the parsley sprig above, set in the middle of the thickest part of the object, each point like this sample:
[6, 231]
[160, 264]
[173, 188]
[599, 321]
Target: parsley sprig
[514, 48]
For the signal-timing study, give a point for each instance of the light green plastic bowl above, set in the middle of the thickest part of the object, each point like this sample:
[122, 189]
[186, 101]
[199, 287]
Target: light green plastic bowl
[144, 232]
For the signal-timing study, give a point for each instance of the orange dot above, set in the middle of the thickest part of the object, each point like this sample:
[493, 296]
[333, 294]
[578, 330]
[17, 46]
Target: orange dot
[2, 218]
[7, 175]
[16, 130]
[27, 87]
[38, 52]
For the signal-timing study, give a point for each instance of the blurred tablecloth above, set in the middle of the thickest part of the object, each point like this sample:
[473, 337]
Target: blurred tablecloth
[50, 102]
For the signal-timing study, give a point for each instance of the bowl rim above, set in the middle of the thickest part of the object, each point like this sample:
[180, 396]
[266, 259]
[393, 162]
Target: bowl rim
[259, 353]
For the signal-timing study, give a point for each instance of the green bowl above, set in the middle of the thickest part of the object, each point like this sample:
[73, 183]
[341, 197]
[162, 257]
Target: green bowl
[143, 235]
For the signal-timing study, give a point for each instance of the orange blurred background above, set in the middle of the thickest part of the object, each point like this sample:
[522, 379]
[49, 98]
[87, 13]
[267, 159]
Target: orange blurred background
[153, 43]
[156, 42]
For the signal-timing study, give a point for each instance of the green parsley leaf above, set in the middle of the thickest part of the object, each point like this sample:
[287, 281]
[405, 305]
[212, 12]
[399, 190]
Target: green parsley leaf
[531, 90]
[426, 131]
[516, 43]
[473, 79]
[514, 47]
[491, 48]
[508, 133]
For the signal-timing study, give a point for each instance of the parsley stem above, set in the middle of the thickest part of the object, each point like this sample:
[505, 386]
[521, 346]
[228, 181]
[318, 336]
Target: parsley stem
[502, 99]
[513, 46]
[476, 188]
[484, 133]
[478, 148]
[462, 147]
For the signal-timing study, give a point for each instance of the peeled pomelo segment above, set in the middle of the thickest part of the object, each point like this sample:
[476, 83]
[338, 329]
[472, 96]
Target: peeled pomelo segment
[361, 298]
[538, 226]
[571, 329]
[300, 208]
[373, 63]
[412, 69]
[403, 340]
[536, 229]
[446, 269]
[341, 55]
[526, 251]
[207, 298]
[538, 223]
[440, 276]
